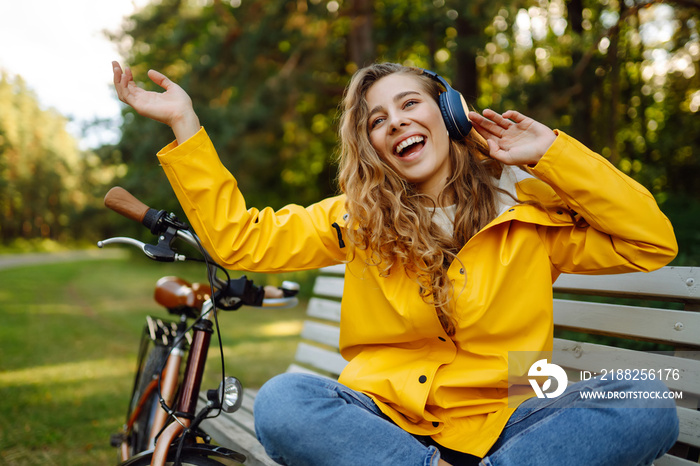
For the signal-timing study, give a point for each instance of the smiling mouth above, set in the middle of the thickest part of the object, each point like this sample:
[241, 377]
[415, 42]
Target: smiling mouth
[409, 146]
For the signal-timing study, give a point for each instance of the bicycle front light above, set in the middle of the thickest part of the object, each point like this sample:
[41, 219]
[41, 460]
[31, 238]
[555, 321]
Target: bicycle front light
[232, 394]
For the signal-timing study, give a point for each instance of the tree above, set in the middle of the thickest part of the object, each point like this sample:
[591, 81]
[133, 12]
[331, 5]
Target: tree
[267, 77]
[48, 187]
[39, 161]
[613, 74]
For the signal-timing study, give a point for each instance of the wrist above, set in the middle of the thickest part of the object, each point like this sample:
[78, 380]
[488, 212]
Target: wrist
[185, 126]
[547, 141]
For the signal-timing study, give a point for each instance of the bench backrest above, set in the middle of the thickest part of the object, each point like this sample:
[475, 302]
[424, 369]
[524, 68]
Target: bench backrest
[602, 322]
[319, 354]
[645, 322]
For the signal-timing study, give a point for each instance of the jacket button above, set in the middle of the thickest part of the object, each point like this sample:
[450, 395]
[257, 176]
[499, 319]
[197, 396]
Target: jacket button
[346, 216]
[422, 379]
[436, 424]
[441, 339]
[461, 271]
[511, 210]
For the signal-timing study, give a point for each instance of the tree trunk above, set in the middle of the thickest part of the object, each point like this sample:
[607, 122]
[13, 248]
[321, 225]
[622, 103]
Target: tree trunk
[581, 101]
[614, 91]
[360, 44]
[466, 79]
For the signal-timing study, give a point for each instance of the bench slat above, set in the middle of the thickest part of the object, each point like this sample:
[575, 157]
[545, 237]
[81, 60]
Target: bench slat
[660, 325]
[671, 283]
[244, 416]
[325, 309]
[668, 283]
[320, 358]
[689, 426]
[236, 431]
[592, 357]
[338, 269]
[670, 460]
[321, 333]
[297, 369]
[331, 287]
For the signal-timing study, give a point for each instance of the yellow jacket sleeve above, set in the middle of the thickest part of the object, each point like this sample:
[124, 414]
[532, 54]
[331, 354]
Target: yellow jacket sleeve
[620, 227]
[292, 238]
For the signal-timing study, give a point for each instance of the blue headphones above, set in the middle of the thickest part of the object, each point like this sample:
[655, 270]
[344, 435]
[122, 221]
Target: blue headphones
[454, 109]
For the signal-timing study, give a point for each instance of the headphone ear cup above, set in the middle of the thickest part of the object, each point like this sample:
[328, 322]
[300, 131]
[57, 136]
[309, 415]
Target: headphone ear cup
[453, 108]
[447, 118]
[454, 112]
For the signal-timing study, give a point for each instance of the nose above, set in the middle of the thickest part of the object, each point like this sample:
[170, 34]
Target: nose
[397, 122]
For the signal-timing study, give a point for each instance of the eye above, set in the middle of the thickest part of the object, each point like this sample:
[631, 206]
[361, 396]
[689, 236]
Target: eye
[410, 103]
[374, 123]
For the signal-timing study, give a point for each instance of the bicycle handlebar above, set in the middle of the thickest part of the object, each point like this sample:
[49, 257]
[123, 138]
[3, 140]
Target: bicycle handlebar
[124, 203]
[167, 226]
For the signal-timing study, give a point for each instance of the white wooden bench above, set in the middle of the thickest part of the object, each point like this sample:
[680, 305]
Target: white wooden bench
[676, 323]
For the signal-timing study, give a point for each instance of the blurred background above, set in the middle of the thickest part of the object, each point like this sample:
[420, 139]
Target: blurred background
[266, 78]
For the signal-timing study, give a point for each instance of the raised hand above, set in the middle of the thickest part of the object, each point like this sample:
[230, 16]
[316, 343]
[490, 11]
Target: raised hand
[513, 138]
[172, 107]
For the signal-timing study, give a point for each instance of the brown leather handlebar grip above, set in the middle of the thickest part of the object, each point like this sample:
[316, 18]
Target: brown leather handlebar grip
[124, 203]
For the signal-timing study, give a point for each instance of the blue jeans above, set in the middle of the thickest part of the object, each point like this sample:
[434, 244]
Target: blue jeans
[307, 420]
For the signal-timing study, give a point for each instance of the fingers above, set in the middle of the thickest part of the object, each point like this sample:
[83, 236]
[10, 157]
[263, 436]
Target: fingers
[120, 82]
[272, 292]
[117, 70]
[160, 79]
[494, 149]
[119, 75]
[122, 79]
[504, 120]
[517, 117]
[490, 123]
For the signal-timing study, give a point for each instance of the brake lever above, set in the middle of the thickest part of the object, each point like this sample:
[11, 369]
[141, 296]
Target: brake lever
[150, 250]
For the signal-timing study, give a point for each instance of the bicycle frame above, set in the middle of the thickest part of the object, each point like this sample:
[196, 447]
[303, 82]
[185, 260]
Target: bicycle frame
[185, 408]
[178, 396]
[189, 389]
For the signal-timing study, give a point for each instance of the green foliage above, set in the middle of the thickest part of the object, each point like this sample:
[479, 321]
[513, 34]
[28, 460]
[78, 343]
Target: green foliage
[622, 77]
[266, 78]
[269, 114]
[70, 334]
[38, 159]
[47, 185]
[684, 213]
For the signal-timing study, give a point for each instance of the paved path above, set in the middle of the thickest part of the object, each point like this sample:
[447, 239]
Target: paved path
[8, 261]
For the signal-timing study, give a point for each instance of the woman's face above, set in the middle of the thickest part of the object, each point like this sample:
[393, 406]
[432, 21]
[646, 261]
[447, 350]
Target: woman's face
[407, 131]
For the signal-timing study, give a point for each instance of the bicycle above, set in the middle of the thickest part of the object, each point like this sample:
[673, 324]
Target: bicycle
[163, 426]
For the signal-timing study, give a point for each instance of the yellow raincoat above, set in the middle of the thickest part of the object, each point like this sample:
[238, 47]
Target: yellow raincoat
[454, 389]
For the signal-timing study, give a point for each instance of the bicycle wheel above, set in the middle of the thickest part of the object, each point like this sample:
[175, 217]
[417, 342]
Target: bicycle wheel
[141, 429]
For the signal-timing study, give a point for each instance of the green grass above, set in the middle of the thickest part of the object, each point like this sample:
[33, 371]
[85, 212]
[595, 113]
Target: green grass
[69, 334]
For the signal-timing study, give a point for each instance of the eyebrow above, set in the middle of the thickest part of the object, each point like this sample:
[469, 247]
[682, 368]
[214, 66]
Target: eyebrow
[397, 97]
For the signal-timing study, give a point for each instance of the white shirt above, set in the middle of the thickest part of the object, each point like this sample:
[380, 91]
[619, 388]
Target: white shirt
[444, 217]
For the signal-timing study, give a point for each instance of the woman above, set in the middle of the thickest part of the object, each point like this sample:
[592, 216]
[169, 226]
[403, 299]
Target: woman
[450, 253]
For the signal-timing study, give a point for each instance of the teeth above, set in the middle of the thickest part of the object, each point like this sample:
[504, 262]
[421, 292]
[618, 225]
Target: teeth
[407, 142]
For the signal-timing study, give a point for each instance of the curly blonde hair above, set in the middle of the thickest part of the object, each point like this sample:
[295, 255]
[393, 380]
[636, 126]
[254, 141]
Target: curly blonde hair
[390, 219]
